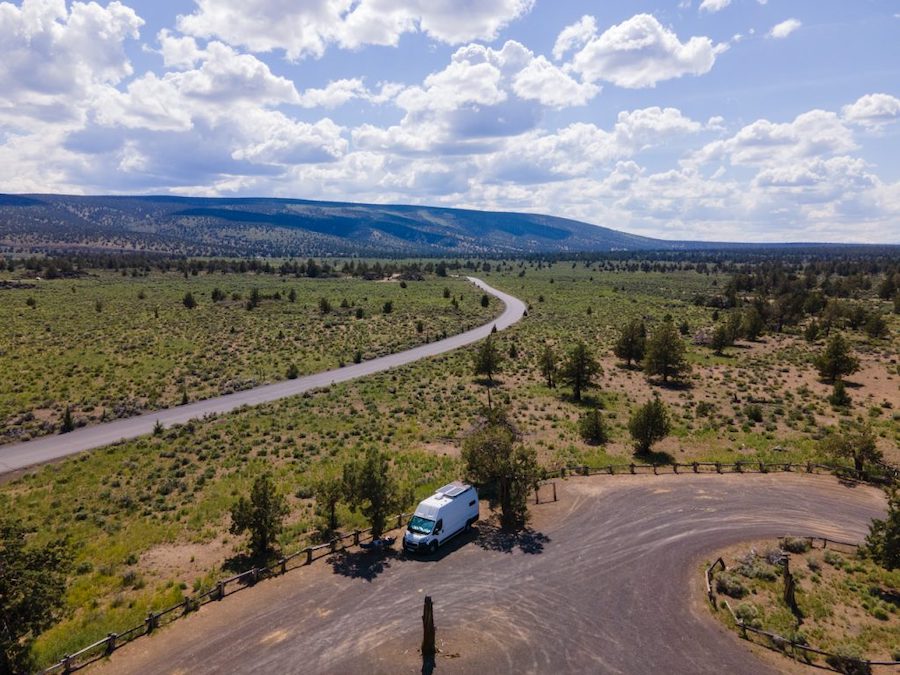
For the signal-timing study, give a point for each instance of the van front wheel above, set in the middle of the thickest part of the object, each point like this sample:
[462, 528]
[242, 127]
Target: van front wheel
[432, 548]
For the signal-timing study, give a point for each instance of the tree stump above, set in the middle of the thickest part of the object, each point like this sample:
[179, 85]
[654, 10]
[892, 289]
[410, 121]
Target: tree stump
[428, 645]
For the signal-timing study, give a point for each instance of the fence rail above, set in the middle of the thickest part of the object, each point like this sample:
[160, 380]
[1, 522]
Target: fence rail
[306, 556]
[779, 642]
[887, 474]
[223, 588]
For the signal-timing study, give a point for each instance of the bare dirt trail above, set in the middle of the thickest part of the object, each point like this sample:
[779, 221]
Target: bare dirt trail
[17, 456]
[606, 583]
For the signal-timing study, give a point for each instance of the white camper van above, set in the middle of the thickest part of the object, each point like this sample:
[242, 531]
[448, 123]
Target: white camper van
[449, 511]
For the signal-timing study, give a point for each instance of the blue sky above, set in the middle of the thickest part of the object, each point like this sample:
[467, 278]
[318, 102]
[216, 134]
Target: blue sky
[752, 120]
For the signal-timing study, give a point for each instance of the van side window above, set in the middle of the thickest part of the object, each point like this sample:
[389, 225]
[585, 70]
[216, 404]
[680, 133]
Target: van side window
[439, 525]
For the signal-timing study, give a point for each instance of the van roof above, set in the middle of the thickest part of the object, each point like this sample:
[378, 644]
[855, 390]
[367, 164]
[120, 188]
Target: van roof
[429, 506]
[454, 489]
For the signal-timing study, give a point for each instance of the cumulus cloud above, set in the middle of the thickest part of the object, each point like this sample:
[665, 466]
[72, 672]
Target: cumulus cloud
[640, 52]
[575, 36]
[308, 28]
[873, 111]
[56, 58]
[482, 94]
[220, 78]
[540, 80]
[582, 149]
[785, 28]
[714, 5]
[816, 133]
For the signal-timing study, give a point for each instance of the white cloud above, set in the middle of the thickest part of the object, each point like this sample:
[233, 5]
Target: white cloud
[873, 111]
[220, 79]
[785, 28]
[308, 28]
[574, 36]
[816, 133]
[55, 59]
[481, 95]
[640, 52]
[542, 81]
[582, 149]
[714, 5]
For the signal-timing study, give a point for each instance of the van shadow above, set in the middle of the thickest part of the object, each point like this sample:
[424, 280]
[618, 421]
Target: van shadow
[460, 540]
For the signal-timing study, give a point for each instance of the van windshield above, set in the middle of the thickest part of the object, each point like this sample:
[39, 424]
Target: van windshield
[420, 525]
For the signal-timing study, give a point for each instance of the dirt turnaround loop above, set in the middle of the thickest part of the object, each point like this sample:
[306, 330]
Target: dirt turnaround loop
[18, 456]
[606, 581]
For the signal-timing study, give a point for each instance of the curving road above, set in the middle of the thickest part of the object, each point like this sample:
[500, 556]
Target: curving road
[611, 585]
[17, 456]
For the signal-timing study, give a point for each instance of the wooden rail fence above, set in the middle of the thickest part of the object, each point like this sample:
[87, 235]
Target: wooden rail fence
[224, 587]
[883, 476]
[307, 555]
[779, 642]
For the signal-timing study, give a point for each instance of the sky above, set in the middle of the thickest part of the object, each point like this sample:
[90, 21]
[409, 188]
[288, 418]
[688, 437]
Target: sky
[741, 120]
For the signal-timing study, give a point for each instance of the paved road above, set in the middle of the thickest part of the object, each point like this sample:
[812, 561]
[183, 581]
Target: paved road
[612, 585]
[47, 448]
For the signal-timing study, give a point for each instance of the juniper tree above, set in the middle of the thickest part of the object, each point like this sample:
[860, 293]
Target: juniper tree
[665, 355]
[649, 424]
[32, 592]
[494, 456]
[836, 360]
[371, 489]
[261, 515]
[579, 369]
[632, 342]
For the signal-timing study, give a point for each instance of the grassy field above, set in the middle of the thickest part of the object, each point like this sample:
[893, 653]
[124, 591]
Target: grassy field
[110, 346]
[149, 517]
[848, 604]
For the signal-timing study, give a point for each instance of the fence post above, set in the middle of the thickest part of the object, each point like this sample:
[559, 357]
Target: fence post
[284, 565]
[675, 467]
[718, 467]
[762, 467]
[399, 520]
[554, 491]
[537, 493]
[631, 466]
[220, 590]
[334, 543]
[809, 467]
[654, 470]
[610, 469]
[739, 467]
[356, 537]
[151, 622]
[67, 664]
[696, 467]
[111, 643]
[309, 555]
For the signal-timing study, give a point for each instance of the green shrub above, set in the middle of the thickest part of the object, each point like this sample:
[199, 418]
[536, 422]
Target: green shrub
[794, 544]
[730, 585]
[847, 659]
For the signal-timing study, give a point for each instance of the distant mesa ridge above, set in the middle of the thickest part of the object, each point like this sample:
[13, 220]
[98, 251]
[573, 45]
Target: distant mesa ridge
[200, 226]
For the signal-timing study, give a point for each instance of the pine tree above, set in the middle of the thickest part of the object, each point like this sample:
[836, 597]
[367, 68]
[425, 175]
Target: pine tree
[487, 359]
[632, 342]
[665, 354]
[649, 424]
[262, 515]
[836, 361]
[579, 369]
[547, 363]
